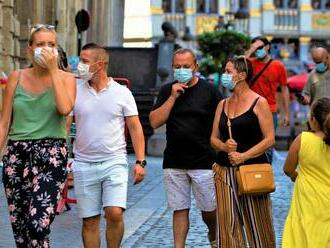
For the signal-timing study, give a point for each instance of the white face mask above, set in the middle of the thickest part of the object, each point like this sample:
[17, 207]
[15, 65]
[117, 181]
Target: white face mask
[83, 71]
[38, 54]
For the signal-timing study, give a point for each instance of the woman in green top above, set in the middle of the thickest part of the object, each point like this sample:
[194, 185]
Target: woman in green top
[35, 106]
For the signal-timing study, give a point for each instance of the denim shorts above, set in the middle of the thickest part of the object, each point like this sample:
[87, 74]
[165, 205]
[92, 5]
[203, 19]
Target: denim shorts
[179, 184]
[99, 185]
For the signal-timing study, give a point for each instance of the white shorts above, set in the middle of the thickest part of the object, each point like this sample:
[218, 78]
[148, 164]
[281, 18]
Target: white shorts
[178, 184]
[99, 185]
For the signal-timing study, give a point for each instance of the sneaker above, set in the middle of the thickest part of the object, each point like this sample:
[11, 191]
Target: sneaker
[213, 243]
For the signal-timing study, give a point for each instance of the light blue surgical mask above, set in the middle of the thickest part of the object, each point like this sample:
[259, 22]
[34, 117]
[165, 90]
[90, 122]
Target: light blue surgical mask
[321, 67]
[183, 75]
[261, 53]
[227, 81]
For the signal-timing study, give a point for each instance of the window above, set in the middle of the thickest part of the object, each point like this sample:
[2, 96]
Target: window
[321, 4]
[291, 4]
[173, 6]
[166, 6]
[207, 6]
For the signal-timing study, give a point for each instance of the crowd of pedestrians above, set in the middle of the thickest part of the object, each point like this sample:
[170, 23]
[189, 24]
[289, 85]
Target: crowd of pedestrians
[208, 139]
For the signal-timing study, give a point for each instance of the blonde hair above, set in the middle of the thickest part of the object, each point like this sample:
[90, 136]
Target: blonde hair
[41, 27]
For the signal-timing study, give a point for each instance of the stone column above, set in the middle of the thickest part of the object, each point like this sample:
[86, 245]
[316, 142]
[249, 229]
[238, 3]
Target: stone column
[115, 19]
[255, 18]
[222, 7]
[156, 19]
[190, 12]
[304, 48]
[306, 10]
[268, 16]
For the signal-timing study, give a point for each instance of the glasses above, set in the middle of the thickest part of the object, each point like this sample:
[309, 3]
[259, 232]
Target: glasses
[260, 47]
[245, 62]
[37, 27]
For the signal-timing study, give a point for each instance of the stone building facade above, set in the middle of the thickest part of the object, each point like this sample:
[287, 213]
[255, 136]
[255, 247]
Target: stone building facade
[17, 17]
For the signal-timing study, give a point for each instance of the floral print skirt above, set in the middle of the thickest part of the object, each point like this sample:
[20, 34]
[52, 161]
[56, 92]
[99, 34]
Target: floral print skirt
[34, 172]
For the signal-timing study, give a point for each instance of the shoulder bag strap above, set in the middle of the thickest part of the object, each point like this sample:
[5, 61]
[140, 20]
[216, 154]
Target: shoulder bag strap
[228, 121]
[260, 73]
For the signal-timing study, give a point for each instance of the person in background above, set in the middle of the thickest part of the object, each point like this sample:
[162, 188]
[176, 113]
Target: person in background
[268, 75]
[318, 84]
[36, 103]
[307, 164]
[100, 167]
[187, 107]
[243, 220]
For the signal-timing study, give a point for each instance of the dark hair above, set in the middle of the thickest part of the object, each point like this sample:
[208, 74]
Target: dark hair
[91, 46]
[101, 53]
[321, 111]
[63, 60]
[263, 39]
[185, 50]
[242, 64]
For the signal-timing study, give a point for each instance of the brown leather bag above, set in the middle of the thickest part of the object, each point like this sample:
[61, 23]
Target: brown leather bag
[253, 179]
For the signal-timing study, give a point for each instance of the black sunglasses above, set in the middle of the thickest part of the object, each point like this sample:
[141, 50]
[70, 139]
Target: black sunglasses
[260, 47]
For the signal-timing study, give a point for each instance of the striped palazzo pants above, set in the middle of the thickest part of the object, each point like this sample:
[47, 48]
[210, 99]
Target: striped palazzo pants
[243, 221]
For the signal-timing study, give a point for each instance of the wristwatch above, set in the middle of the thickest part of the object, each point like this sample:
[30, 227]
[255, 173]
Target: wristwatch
[143, 162]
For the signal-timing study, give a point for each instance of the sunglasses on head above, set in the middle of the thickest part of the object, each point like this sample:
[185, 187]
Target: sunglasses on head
[37, 27]
[245, 62]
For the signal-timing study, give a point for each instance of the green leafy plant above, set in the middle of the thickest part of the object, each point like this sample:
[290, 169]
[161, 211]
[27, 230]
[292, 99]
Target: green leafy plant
[218, 46]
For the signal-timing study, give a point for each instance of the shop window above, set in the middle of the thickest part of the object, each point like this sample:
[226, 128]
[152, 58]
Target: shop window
[207, 6]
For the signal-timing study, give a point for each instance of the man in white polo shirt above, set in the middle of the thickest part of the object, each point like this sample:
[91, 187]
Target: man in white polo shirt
[100, 167]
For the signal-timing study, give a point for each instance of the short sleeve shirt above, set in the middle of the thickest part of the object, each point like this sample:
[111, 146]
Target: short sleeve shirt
[100, 121]
[266, 85]
[189, 126]
[318, 85]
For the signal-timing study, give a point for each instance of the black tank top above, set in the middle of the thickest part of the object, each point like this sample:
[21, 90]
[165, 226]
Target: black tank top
[245, 131]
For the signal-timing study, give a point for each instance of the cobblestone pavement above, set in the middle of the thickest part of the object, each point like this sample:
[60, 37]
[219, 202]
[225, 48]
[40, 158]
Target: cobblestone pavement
[148, 223]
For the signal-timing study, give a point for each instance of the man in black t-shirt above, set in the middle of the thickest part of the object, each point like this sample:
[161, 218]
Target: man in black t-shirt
[187, 107]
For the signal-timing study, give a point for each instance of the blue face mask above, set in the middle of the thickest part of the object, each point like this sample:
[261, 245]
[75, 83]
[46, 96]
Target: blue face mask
[260, 53]
[183, 75]
[321, 67]
[227, 81]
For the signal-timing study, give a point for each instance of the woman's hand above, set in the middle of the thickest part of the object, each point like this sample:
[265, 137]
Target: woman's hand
[236, 158]
[230, 146]
[49, 56]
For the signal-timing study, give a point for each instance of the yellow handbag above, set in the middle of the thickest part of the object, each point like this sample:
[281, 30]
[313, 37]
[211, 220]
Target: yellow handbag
[253, 179]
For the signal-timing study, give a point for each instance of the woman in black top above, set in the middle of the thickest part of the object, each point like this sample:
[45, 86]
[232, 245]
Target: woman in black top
[243, 221]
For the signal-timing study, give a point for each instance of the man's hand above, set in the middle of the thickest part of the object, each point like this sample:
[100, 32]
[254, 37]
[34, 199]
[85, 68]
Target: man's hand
[138, 174]
[178, 89]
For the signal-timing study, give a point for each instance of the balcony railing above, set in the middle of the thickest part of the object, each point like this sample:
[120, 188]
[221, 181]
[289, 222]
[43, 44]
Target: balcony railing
[286, 19]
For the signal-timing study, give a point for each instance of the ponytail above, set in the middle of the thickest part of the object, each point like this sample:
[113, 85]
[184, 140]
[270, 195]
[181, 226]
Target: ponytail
[326, 128]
